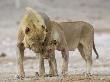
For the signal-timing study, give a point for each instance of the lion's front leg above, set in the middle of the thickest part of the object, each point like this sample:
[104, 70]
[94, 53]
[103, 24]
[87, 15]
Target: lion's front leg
[53, 65]
[65, 56]
[20, 56]
[41, 66]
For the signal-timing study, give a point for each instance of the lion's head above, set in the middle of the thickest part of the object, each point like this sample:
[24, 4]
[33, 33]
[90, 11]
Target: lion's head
[34, 29]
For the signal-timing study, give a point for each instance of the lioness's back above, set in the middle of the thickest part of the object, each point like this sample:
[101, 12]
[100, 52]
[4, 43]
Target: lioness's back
[74, 31]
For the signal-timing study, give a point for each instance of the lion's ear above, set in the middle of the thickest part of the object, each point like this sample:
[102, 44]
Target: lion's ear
[27, 30]
[31, 14]
[34, 15]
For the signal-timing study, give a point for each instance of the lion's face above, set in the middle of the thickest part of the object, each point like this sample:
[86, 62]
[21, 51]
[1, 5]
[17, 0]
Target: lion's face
[48, 48]
[35, 32]
[34, 36]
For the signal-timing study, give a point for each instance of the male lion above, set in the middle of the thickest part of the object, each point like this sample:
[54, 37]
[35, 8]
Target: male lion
[67, 36]
[33, 30]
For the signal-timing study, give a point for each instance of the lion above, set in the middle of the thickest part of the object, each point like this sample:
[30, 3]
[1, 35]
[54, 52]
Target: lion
[67, 36]
[33, 30]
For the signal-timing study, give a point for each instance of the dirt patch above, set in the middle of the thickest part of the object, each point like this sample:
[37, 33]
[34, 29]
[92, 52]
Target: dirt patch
[9, 77]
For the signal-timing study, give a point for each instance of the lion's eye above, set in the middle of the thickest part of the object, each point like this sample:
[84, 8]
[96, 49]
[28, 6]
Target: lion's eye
[27, 30]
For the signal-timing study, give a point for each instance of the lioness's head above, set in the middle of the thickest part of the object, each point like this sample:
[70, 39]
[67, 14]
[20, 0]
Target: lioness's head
[48, 48]
[34, 29]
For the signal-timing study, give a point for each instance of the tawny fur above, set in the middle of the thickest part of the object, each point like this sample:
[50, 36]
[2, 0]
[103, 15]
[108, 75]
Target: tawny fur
[69, 36]
[38, 33]
[31, 34]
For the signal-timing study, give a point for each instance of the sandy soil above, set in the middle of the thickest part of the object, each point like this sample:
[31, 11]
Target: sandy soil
[101, 72]
[95, 12]
[69, 78]
[74, 75]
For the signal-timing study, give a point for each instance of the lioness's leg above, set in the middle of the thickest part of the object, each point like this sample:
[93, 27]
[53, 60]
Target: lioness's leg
[20, 56]
[51, 70]
[53, 65]
[80, 48]
[87, 48]
[41, 66]
[65, 56]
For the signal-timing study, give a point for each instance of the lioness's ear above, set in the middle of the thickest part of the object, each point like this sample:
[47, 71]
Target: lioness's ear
[55, 42]
[27, 30]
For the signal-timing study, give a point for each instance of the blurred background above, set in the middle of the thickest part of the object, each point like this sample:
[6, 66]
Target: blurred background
[96, 12]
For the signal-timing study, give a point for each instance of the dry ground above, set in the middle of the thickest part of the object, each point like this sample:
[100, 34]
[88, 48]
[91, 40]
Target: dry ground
[10, 77]
[96, 12]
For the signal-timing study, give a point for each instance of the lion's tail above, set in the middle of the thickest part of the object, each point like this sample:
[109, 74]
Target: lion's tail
[95, 50]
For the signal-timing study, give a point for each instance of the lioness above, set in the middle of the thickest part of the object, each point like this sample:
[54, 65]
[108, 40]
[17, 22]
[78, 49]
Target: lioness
[33, 30]
[67, 36]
